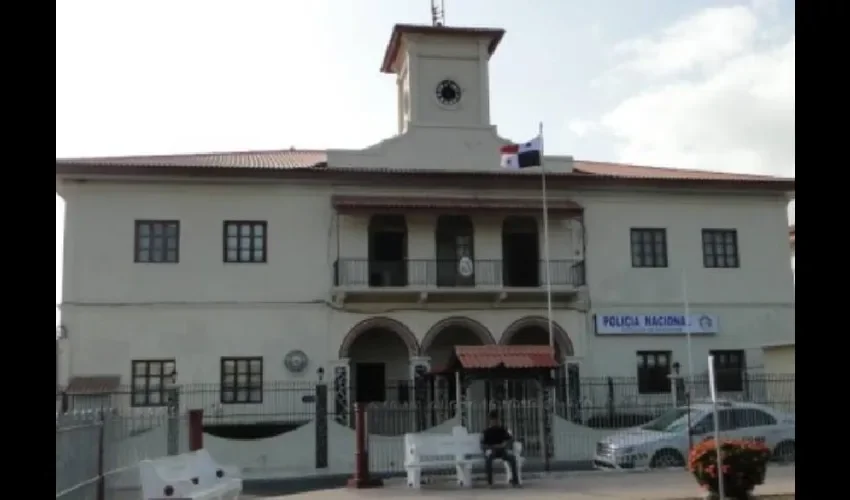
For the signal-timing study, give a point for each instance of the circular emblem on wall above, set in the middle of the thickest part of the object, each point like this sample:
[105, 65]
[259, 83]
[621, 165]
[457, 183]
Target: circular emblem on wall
[295, 361]
[705, 323]
[448, 93]
[465, 267]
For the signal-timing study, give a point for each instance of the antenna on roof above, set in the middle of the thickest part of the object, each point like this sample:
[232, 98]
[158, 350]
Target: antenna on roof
[438, 13]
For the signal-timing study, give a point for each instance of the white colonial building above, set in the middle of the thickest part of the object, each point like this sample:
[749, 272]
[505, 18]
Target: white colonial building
[251, 267]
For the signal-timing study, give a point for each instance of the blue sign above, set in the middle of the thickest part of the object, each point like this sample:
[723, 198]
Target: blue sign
[656, 324]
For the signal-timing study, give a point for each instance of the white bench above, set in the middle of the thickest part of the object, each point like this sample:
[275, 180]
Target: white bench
[189, 476]
[459, 449]
[428, 451]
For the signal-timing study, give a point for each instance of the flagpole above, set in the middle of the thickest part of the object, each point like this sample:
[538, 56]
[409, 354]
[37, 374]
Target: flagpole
[546, 243]
[687, 307]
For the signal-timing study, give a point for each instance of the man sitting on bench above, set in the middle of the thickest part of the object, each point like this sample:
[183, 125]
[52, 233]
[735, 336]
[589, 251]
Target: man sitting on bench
[496, 442]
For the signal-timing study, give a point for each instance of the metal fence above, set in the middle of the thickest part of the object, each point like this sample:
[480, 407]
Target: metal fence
[616, 402]
[98, 451]
[583, 411]
[598, 402]
[444, 273]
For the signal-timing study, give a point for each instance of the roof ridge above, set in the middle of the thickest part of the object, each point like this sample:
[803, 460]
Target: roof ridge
[577, 165]
[189, 155]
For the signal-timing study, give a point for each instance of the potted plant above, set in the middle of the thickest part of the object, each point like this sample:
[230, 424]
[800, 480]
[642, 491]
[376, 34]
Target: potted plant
[743, 466]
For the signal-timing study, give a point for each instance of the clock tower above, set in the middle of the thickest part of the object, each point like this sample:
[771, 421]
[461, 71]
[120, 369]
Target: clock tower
[442, 75]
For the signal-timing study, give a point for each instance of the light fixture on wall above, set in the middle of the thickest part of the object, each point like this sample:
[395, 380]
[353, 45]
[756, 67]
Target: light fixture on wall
[320, 373]
[170, 380]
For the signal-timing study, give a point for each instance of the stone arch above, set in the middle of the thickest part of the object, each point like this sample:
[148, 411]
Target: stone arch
[384, 323]
[479, 330]
[562, 339]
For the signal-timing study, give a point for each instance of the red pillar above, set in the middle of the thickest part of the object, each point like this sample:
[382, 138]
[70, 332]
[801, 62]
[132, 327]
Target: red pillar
[361, 478]
[196, 430]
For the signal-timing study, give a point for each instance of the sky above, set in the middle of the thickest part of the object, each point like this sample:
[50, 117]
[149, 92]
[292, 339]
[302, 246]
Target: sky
[682, 83]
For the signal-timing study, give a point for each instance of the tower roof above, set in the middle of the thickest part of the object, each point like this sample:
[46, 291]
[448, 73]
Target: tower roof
[399, 30]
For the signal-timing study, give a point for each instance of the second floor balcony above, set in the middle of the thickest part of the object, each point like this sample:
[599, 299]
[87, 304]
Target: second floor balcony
[429, 279]
[421, 273]
[462, 249]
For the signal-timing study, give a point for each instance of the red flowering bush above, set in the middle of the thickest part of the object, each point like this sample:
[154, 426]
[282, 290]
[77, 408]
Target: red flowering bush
[743, 465]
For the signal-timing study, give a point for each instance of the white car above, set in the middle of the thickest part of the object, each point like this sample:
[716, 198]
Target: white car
[664, 442]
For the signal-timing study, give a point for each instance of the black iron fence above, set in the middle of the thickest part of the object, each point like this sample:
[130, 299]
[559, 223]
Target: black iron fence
[617, 402]
[449, 273]
[98, 450]
[586, 409]
[599, 402]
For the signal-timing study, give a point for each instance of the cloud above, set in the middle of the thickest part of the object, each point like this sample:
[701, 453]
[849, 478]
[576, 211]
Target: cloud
[714, 91]
[701, 41]
[581, 127]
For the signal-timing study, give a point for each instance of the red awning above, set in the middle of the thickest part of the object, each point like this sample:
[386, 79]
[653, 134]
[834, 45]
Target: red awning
[506, 356]
[349, 203]
[94, 384]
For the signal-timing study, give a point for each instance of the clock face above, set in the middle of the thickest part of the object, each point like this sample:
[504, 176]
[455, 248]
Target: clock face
[448, 93]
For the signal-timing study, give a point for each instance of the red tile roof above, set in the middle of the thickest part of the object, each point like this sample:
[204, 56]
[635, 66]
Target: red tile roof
[620, 170]
[290, 159]
[277, 159]
[507, 356]
[93, 384]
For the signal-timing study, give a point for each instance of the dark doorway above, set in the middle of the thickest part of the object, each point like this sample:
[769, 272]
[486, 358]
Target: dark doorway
[454, 242]
[370, 383]
[520, 252]
[387, 251]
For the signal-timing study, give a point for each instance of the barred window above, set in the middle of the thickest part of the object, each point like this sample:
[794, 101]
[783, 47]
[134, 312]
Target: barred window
[729, 368]
[157, 241]
[245, 241]
[653, 370]
[720, 248]
[242, 380]
[150, 381]
[649, 247]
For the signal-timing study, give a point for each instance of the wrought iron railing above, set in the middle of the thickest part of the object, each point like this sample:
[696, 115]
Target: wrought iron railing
[583, 413]
[447, 273]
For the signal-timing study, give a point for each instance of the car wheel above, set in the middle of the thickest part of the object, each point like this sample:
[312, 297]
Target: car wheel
[785, 452]
[667, 458]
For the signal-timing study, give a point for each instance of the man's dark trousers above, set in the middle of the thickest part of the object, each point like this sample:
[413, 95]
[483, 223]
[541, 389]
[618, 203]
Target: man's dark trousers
[501, 455]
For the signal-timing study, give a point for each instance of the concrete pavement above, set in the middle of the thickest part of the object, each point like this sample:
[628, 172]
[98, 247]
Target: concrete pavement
[648, 485]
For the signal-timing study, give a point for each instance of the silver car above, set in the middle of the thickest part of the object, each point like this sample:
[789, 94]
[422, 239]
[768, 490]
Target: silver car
[665, 441]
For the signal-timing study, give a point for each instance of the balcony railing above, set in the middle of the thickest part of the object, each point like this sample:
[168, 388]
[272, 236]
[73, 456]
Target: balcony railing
[445, 273]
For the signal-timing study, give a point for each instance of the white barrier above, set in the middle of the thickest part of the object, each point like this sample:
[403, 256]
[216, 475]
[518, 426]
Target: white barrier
[189, 476]
[460, 450]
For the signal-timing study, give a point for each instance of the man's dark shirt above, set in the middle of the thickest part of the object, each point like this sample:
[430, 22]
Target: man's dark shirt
[495, 435]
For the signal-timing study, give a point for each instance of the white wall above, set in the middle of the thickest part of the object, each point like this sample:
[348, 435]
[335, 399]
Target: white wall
[106, 339]
[763, 277]
[754, 303]
[200, 309]
[740, 327]
[99, 237]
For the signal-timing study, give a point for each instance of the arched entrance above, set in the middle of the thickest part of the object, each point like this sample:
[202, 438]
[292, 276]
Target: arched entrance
[379, 351]
[438, 345]
[450, 332]
[534, 330]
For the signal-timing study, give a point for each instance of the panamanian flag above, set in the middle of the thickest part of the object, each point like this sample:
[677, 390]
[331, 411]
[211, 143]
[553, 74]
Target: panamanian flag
[525, 155]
